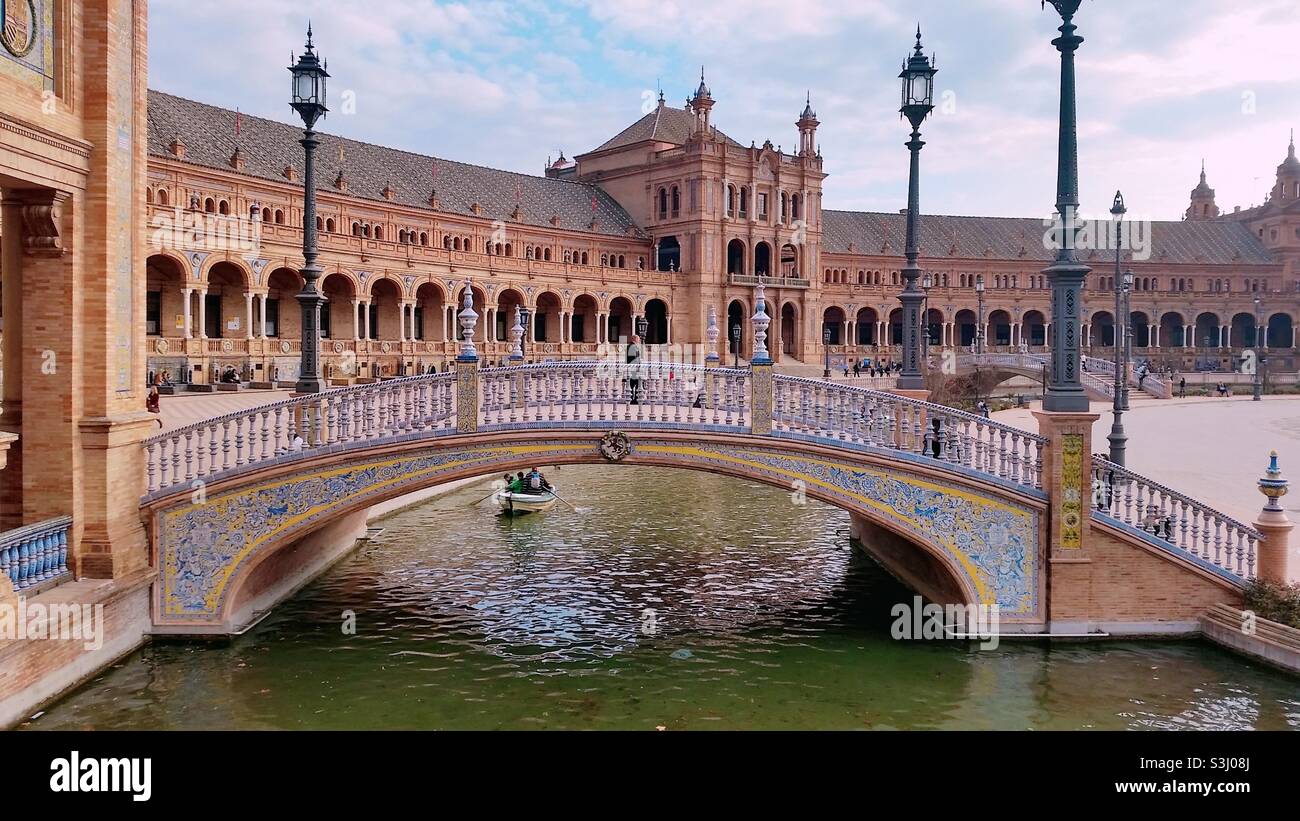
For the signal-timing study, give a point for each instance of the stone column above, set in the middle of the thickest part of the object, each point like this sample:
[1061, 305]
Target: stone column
[262, 309]
[187, 295]
[1279, 557]
[203, 313]
[248, 315]
[1067, 479]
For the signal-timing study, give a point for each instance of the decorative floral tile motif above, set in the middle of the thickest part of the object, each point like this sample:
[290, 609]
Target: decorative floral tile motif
[202, 547]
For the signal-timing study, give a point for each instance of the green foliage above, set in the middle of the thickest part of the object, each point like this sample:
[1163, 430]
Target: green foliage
[1275, 602]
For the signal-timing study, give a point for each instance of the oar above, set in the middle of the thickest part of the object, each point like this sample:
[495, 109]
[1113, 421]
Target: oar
[562, 499]
[484, 499]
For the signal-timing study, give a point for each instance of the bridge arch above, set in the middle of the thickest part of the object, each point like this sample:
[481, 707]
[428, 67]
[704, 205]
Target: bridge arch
[984, 542]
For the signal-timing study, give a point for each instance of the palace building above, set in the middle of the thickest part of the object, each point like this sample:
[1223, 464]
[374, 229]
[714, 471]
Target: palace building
[665, 222]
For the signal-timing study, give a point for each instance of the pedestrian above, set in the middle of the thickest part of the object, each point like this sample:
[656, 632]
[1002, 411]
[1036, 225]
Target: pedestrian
[857, 369]
[634, 369]
[1182, 387]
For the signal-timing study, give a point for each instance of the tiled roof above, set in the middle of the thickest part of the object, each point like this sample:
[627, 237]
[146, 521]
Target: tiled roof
[1216, 242]
[670, 125]
[269, 146]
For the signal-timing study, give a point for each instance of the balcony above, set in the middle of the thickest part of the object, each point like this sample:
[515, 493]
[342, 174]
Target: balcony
[768, 282]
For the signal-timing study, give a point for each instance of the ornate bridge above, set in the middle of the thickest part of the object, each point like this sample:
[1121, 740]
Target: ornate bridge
[1098, 377]
[971, 509]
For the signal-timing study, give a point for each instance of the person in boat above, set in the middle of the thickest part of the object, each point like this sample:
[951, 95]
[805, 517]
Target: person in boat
[514, 484]
[537, 482]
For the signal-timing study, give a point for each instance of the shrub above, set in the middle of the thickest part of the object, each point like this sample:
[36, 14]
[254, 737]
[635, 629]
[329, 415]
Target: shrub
[1275, 602]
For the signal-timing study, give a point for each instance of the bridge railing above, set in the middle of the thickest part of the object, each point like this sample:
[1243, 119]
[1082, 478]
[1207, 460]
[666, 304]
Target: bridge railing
[36, 553]
[1099, 383]
[1184, 523]
[594, 392]
[344, 415]
[863, 417]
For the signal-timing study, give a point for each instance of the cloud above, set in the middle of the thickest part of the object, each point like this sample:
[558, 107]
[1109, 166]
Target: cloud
[507, 83]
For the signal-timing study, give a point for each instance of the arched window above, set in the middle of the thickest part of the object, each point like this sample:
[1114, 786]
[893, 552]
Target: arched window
[320, 224]
[584, 258]
[677, 201]
[663, 203]
[210, 206]
[223, 208]
[148, 195]
[424, 238]
[330, 225]
[279, 217]
[162, 196]
[546, 254]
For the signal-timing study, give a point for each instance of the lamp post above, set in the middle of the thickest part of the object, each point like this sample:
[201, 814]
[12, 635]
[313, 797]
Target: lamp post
[523, 339]
[1117, 211]
[927, 282]
[308, 99]
[1257, 387]
[979, 299]
[918, 101]
[1118, 438]
[826, 351]
[1065, 392]
[1126, 291]
[735, 346]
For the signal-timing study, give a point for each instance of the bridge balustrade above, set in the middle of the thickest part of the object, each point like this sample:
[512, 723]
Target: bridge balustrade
[416, 404]
[1183, 523]
[36, 553]
[863, 417]
[591, 393]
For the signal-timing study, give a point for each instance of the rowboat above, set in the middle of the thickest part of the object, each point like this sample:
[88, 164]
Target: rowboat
[520, 503]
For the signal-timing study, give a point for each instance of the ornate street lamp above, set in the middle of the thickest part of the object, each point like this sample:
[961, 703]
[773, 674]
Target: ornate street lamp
[308, 99]
[1118, 438]
[1127, 293]
[1257, 386]
[735, 346]
[979, 299]
[927, 282]
[826, 349]
[524, 315]
[1066, 275]
[1117, 211]
[918, 101]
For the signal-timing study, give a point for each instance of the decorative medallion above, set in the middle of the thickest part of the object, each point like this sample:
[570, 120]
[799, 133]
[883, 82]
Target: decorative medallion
[614, 446]
[385, 347]
[338, 346]
[285, 347]
[19, 33]
[161, 346]
[227, 346]
[1071, 491]
[428, 346]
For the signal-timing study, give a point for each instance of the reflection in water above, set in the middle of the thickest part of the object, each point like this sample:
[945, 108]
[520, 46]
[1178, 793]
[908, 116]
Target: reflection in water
[671, 599]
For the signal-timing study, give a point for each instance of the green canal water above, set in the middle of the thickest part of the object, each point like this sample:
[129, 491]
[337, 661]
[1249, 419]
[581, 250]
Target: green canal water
[668, 599]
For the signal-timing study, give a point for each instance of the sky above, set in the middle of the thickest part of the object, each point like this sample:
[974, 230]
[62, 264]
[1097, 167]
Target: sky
[1163, 84]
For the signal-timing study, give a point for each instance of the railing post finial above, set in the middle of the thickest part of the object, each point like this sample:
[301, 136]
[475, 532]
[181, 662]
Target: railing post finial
[517, 337]
[711, 334]
[468, 324]
[1275, 563]
[761, 322]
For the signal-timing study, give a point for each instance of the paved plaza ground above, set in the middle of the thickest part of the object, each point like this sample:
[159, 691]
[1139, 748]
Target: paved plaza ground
[1212, 449]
